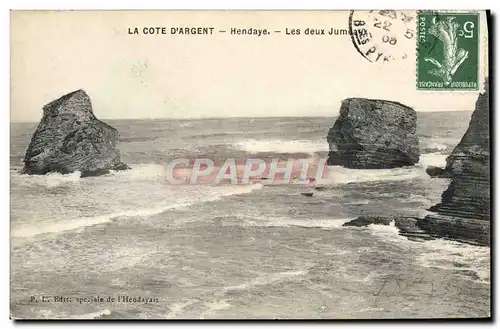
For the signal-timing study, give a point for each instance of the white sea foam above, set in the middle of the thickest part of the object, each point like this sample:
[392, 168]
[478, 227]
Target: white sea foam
[149, 171]
[388, 232]
[50, 180]
[436, 146]
[90, 316]
[432, 159]
[72, 224]
[212, 307]
[441, 253]
[341, 175]
[186, 124]
[214, 193]
[454, 255]
[271, 221]
[283, 146]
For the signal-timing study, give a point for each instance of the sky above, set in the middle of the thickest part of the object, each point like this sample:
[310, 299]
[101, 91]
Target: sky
[198, 76]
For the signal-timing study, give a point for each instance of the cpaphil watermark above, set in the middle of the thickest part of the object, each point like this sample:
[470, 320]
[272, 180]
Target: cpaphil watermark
[246, 171]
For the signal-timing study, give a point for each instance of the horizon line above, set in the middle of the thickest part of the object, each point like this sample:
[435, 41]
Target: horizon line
[235, 117]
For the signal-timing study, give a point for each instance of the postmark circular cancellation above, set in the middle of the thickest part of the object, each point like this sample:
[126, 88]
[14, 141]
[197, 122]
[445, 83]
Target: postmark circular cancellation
[383, 35]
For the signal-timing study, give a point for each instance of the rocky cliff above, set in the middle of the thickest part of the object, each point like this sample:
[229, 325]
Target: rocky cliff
[464, 211]
[70, 138]
[373, 134]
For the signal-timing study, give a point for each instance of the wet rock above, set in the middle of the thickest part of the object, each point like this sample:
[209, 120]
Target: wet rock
[438, 172]
[434, 208]
[464, 211]
[367, 220]
[70, 138]
[373, 134]
[408, 225]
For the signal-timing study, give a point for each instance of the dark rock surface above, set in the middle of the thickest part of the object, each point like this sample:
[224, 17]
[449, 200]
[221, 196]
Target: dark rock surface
[437, 172]
[407, 226]
[367, 220]
[434, 208]
[70, 138]
[373, 134]
[464, 212]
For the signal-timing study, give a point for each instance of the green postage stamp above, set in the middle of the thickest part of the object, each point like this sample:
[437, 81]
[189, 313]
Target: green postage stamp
[448, 51]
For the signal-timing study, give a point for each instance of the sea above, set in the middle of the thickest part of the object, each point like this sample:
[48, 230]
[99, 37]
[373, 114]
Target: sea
[130, 245]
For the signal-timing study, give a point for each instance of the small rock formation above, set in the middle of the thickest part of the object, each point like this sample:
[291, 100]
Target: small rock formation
[407, 226]
[70, 138]
[464, 212]
[367, 220]
[307, 193]
[434, 208]
[434, 171]
[373, 134]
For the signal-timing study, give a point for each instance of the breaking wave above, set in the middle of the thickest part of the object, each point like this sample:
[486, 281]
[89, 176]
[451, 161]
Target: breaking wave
[452, 255]
[440, 253]
[339, 175]
[282, 146]
[49, 180]
[273, 221]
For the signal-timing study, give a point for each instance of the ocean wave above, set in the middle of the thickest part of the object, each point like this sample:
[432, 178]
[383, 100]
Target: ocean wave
[337, 175]
[270, 221]
[148, 171]
[72, 224]
[342, 175]
[186, 124]
[282, 146]
[215, 193]
[138, 139]
[458, 256]
[388, 233]
[266, 279]
[433, 146]
[90, 316]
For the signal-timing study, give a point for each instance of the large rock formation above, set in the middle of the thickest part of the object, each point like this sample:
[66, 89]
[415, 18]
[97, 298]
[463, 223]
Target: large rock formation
[70, 138]
[373, 134]
[464, 211]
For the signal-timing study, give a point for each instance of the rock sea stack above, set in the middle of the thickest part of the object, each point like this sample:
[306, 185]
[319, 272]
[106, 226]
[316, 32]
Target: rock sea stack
[70, 138]
[373, 134]
[464, 211]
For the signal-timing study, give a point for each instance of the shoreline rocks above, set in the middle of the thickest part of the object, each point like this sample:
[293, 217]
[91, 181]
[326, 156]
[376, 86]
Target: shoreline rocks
[407, 226]
[373, 134]
[437, 172]
[464, 211]
[367, 220]
[70, 138]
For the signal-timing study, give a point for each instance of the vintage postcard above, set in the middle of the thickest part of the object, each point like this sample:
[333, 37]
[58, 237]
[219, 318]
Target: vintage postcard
[250, 165]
